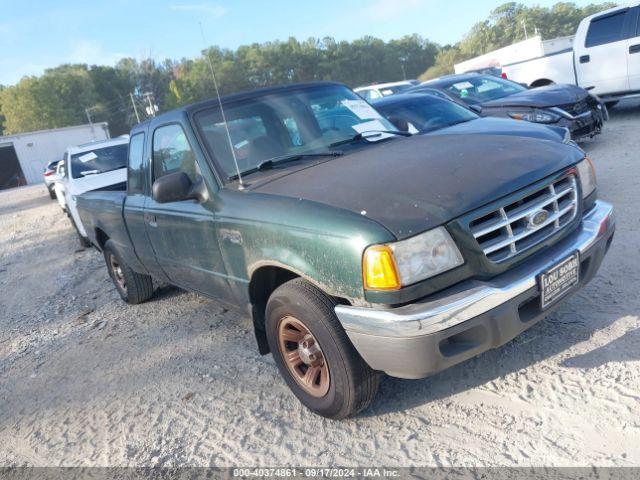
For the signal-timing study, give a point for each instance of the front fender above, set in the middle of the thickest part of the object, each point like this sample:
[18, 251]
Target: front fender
[321, 244]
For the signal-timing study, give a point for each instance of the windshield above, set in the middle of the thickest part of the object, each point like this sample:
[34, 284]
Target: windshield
[295, 122]
[426, 113]
[100, 160]
[481, 89]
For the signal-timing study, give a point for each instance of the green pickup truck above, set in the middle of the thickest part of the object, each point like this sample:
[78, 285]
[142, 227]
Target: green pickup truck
[355, 250]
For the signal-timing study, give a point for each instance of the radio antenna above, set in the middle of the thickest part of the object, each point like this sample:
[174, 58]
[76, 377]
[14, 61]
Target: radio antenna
[224, 118]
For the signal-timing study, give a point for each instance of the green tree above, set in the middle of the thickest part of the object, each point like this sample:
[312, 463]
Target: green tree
[56, 99]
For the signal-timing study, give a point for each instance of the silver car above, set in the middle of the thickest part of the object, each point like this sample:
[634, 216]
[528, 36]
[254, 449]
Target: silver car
[50, 176]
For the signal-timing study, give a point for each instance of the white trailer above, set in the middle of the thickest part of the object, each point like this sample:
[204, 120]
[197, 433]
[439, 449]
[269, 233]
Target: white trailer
[24, 156]
[522, 51]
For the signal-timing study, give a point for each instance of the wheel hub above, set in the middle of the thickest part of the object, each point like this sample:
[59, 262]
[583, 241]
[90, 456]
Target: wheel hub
[303, 356]
[309, 351]
[118, 275]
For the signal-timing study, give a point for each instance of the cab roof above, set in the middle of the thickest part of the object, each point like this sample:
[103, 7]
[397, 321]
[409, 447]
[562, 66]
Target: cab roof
[86, 147]
[235, 97]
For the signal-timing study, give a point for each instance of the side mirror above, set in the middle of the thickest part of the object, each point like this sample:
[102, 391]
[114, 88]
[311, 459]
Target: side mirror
[476, 108]
[176, 187]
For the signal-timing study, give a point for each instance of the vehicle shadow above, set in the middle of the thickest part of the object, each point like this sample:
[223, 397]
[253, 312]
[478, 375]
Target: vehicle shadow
[551, 336]
[625, 109]
[622, 349]
[165, 291]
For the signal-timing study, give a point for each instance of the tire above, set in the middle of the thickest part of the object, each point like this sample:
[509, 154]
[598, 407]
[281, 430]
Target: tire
[133, 287]
[52, 193]
[352, 384]
[84, 241]
[611, 104]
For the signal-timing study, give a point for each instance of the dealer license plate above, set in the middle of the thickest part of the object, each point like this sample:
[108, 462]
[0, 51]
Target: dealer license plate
[556, 282]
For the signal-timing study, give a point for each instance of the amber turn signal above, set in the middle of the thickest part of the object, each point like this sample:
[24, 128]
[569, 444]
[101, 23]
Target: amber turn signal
[379, 269]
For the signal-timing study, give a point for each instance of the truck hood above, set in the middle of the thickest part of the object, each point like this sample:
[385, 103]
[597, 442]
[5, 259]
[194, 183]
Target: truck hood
[549, 96]
[412, 184]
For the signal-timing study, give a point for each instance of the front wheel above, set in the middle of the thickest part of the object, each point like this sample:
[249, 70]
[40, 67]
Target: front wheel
[133, 287]
[314, 354]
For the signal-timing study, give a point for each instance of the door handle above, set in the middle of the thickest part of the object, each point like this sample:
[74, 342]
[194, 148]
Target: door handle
[634, 48]
[150, 220]
[585, 59]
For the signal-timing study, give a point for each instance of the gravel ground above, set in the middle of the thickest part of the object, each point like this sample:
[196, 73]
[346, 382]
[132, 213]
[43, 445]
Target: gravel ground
[87, 380]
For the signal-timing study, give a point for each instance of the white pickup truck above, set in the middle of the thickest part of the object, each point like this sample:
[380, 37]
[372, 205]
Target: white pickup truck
[604, 57]
[93, 166]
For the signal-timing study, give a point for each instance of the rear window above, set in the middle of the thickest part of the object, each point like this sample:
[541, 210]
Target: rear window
[100, 160]
[135, 173]
[605, 30]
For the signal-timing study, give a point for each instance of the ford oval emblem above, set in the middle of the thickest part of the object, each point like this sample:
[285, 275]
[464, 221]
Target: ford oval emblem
[537, 218]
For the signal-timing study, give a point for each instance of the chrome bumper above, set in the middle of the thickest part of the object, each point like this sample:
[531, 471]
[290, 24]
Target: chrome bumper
[471, 300]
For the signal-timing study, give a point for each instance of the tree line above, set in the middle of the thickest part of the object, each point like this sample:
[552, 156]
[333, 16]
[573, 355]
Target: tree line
[74, 94]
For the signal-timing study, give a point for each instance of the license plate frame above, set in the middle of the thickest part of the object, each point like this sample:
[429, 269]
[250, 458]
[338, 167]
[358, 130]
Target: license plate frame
[559, 280]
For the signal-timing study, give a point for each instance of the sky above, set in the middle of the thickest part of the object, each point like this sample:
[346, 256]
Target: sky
[38, 34]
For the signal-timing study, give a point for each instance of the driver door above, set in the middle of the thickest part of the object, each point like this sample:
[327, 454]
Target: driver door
[183, 234]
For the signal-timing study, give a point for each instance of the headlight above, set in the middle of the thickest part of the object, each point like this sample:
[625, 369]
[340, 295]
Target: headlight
[536, 116]
[392, 266]
[587, 174]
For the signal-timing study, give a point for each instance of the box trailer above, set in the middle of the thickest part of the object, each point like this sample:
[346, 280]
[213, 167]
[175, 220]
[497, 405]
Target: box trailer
[529, 49]
[23, 156]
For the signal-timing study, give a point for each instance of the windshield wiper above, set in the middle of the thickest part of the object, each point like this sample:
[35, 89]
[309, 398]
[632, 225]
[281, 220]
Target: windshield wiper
[376, 133]
[271, 162]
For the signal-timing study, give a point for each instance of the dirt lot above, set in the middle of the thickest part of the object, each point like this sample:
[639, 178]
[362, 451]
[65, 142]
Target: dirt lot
[88, 380]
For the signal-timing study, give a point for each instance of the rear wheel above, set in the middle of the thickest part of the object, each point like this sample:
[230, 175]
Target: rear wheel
[52, 192]
[133, 287]
[314, 354]
[611, 104]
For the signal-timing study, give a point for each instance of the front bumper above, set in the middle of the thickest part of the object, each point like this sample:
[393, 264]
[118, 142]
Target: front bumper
[430, 335]
[587, 124]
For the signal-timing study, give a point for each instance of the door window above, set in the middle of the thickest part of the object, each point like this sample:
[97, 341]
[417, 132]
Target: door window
[172, 153]
[605, 30]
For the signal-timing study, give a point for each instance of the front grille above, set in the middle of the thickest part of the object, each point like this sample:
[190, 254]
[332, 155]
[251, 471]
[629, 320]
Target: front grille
[576, 109]
[512, 229]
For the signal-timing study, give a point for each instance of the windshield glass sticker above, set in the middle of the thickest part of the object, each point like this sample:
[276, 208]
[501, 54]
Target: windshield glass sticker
[362, 109]
[87, 157]
[463, 85]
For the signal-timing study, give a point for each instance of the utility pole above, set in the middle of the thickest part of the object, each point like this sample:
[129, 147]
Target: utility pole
[404, 73]
[135, 109]
[524, 24]
[152, 109]
[87, 111]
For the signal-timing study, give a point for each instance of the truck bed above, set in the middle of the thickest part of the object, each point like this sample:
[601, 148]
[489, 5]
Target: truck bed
[557, 67]
[102, 211]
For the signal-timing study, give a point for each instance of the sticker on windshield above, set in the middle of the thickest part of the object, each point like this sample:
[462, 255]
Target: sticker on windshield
[463, 85]
[372, 130]
[87, 157]
[361, 108]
